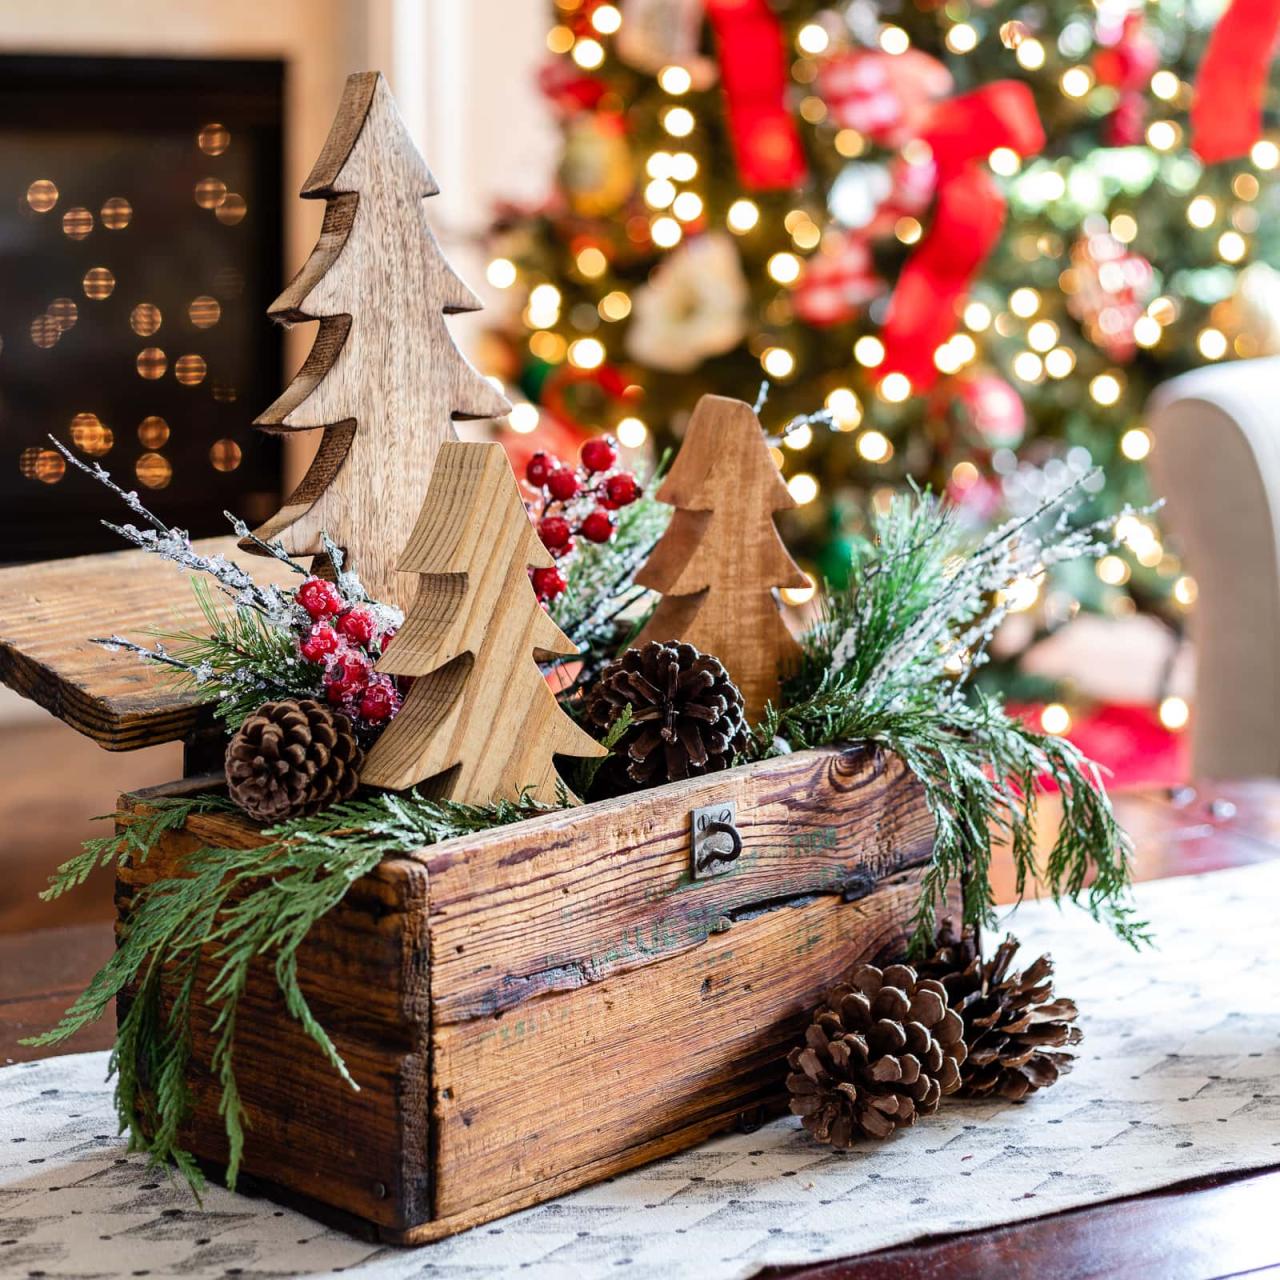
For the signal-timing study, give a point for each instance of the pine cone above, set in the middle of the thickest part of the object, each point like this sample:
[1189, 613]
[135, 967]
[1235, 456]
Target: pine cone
[687, 716]
[1012, 1023]
[291, 758]
[877, 1054]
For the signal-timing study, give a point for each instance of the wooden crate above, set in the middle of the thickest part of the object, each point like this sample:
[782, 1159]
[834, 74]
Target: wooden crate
[543, 1005]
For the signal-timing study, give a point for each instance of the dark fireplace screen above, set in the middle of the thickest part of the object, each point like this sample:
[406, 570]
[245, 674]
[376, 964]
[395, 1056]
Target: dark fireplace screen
[140, 244]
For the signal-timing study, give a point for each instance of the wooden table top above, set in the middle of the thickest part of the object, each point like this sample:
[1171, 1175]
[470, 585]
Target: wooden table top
[49, 612]
[1214, 1227]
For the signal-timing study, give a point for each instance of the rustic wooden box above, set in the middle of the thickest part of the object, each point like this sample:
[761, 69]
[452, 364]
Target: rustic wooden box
[541, 1006]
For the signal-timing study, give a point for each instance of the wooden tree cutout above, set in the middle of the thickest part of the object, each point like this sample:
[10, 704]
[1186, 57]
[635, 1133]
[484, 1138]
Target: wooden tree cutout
[721, 556]
[480, 721]
[384, 380]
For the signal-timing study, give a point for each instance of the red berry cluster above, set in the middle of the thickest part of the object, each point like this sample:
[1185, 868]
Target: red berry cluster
[576, 502]
[345, 640]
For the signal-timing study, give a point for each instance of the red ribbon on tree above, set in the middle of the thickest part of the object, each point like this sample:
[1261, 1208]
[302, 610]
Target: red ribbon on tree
[753, 77]
[967, 218]
[1226, 117]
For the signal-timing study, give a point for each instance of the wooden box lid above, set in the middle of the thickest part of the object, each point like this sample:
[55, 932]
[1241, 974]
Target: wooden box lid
[49, 612]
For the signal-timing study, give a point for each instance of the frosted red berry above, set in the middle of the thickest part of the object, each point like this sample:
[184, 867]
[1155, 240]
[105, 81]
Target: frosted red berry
[319, 598]
[554, 532]
[597, 526]
[358, 626]
[621, 490]
[548, 583]
[349, 674]
[599, 454]
[539, 468]
[562, 484]
[378, 701]
[319, 642]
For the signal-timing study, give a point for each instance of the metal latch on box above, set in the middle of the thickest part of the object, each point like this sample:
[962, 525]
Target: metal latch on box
[714, 839]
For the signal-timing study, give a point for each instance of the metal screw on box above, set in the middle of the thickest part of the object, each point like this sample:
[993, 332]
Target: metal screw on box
[714, 839]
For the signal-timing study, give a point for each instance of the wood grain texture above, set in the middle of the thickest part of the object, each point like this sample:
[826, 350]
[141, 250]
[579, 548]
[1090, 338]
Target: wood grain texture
[48, 612]
[721, 557]
[543, 1005]
[384, 379]
[362, 969]
[480, 721]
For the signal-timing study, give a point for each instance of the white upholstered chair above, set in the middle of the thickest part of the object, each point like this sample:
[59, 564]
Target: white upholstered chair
[1216, 461]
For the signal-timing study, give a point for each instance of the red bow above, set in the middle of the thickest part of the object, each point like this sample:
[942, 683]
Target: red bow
[753, 77]
[967, 219]
[1226, 117]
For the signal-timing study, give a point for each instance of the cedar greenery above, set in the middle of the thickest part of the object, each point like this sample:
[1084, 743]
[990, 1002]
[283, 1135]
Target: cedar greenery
[888, 662]
[237, 905]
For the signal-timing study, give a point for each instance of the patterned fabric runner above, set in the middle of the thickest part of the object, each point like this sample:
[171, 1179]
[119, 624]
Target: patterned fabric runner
[1179, 1077]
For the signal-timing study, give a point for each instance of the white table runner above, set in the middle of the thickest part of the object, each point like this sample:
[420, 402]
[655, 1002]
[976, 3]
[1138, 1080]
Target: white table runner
[1179, 1076]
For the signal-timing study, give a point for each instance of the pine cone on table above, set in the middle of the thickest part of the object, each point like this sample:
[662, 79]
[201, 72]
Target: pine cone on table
[291, 758]
[1013, 1026]
[687, 716]
[881, 1051]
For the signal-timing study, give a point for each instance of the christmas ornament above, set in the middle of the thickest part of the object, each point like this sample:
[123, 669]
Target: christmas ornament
[686, 716]
[693, 306]
[881, 1051]
[1231, 84]
[656, 34]
[838, 282]
[1013, 1026]
[1108, 289]
[988, 409]
[595, 170]
[1125, 60]
[886, 97]
[292, 757]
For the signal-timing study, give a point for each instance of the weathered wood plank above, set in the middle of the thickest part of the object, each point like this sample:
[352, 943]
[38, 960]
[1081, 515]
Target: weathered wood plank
[48, 612]
[582, 895]
[539, 1006]
[699, 1036]
[363, 971]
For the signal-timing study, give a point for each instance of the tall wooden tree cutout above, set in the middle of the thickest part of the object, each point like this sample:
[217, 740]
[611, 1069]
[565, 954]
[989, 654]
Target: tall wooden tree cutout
[480, 721]
[721, 556]
[384, 381]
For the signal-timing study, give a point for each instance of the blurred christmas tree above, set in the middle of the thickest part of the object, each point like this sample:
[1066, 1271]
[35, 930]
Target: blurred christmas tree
[976, 232]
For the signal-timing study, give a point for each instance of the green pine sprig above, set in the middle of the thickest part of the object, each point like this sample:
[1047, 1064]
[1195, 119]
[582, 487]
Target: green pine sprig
[236, 906]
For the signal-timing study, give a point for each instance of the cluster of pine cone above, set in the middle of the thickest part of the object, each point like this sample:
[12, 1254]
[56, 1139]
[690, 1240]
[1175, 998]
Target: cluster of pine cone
[887, 1046]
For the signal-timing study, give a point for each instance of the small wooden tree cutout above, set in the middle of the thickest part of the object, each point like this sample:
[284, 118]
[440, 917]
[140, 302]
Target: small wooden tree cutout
[721, 556]
[384, 380]
[480, 721]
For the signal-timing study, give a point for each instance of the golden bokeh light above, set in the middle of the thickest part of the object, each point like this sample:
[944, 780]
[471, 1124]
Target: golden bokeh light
[45, 331]
[77, 222]
[213, 139]
[210, 192]
[153, 432]
[204, 312]
[153, 470]
[42, 195]
[145, 319]
[116, 213]
[152, 363]
[231, 210]
[64, 313]
[224, 455]
[99, 283]
[89, 435]
[190, 370]
[46, 465]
